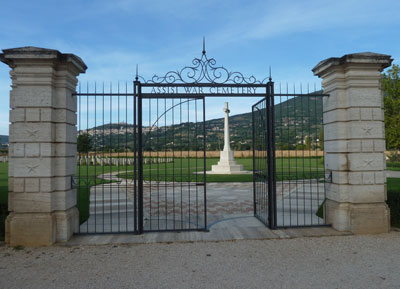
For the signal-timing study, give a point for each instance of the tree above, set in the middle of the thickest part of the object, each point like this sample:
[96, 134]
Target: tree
[84, 143]
[391, 100]
[308, 143]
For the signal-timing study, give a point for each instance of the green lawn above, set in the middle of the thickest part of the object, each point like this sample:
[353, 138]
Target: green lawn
[183, 169]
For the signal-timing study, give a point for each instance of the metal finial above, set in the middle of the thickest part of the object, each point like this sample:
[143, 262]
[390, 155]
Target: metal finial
[137, 72]
[270, 74]
[204, 45]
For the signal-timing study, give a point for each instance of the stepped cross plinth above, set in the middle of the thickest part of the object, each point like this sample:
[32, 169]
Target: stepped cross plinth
[227, 163]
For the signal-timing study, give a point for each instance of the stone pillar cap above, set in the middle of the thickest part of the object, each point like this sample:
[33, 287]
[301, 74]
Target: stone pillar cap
[381, 60]
[29, 52]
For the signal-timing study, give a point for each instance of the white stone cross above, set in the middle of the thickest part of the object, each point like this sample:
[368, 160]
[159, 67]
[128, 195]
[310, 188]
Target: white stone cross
[227, 163]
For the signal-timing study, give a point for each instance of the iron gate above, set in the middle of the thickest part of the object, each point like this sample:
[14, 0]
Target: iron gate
[105, 162]
[171, 125]
[264, 178]
[288, 161]
[142, 152]
[171, 163]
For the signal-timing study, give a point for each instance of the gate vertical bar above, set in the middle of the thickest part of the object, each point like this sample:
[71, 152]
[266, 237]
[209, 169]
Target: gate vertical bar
[272, 173]
[268, 137]
[140, 159]
[135, 129]
[260, 161]
[205, 164]
[254, 159]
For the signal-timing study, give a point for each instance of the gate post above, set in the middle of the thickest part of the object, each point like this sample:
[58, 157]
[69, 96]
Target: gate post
[42, 150]
[354, 142]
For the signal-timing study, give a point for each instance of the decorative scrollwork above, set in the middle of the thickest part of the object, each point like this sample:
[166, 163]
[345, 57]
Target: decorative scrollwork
[204, 70]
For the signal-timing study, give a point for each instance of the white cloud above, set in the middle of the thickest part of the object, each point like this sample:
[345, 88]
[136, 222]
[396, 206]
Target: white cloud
[178, 9]
[265, 20]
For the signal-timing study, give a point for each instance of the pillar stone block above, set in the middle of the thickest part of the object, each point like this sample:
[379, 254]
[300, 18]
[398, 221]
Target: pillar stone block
[42, 158]
[354, 137]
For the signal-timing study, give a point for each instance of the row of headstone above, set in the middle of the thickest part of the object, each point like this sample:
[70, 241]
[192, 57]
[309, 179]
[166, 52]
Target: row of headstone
[106, 161]
[147, 161]
[3, 159]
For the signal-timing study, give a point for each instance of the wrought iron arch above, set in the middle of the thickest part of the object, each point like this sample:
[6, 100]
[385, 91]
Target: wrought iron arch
[203, 70]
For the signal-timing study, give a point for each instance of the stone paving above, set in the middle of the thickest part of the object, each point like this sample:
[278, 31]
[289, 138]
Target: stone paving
[168, 207]
[393, 174]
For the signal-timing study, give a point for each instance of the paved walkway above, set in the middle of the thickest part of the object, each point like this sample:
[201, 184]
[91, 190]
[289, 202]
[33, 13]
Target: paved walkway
[171, 206]
[240, 228]
[327, 262]
[393, 174]
[230, 214]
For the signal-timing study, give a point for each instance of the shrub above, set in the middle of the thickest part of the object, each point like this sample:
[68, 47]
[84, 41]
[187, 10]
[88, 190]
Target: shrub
[3, 216]
[393, 165]
[320, 211]
[394, 156]
[393, 200]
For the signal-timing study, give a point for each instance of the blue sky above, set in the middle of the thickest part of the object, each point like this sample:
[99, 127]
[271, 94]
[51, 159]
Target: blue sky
[247, 36]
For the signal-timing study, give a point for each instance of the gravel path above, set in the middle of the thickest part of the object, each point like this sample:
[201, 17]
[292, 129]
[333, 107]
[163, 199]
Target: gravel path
[329, 262]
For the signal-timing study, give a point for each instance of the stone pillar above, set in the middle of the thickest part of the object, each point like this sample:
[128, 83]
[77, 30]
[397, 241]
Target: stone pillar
[354, 145]
[42, 202]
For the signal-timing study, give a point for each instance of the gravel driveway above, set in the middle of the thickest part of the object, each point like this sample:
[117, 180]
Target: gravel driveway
[370, 261]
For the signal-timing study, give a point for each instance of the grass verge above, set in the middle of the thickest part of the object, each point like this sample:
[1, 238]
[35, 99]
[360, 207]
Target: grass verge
[83, 197]
[87, 178]
[393, 166]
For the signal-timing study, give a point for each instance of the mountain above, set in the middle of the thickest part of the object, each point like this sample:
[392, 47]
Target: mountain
[3, 141]
[295, 120]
